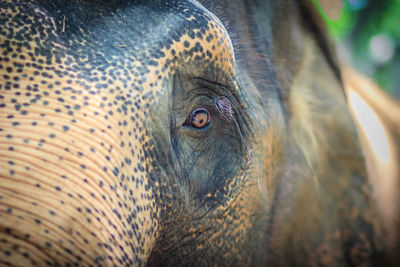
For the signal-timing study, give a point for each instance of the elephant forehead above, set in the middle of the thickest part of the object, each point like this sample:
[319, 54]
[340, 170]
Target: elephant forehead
[143, 47]
[133, 46]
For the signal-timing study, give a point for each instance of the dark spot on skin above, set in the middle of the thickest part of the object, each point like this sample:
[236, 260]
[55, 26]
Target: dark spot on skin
[116, 171]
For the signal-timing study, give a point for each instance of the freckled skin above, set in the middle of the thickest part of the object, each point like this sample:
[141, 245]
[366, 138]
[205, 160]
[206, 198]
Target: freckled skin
[101, 164]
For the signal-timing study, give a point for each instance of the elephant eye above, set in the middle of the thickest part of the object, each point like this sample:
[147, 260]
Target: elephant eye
[200, 119]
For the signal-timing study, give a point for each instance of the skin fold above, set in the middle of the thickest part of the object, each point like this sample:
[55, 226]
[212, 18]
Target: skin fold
[165, 133]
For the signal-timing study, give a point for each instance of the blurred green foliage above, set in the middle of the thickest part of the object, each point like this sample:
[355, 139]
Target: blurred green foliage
[368, 35]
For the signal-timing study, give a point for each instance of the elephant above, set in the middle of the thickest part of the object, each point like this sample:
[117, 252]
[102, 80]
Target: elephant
[148, 133]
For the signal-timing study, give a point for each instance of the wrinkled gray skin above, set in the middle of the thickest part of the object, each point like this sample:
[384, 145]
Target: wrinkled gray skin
[106, 161]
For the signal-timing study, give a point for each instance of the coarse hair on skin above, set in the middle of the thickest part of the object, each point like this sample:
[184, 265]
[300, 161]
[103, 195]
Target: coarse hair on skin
[305, 131]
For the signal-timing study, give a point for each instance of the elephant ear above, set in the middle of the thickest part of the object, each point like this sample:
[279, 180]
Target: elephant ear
[377, 117]
[326, 214]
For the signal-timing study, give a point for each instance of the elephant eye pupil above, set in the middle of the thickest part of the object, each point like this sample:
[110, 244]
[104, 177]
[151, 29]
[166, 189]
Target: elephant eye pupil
[200, 118]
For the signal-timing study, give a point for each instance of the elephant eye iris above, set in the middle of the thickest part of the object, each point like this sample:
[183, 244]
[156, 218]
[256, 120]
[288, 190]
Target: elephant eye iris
[200, 119]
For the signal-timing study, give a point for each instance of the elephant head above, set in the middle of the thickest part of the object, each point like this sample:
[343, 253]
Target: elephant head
[176, 133]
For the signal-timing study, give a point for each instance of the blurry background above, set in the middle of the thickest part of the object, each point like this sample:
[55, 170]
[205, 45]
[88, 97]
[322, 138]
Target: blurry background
[368, 35]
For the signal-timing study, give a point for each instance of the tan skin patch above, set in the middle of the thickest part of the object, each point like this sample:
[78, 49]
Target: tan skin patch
[218, 50]
[64, 161]
[57, 167]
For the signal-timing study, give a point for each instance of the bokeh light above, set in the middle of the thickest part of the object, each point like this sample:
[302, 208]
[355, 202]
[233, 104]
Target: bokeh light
[368, 36]
[381, 48]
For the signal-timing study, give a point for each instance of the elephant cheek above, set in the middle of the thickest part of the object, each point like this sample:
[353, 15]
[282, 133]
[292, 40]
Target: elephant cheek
[64, 202]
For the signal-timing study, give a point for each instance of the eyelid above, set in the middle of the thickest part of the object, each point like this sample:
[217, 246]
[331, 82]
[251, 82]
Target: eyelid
[182, 112]
[219, 106]
[216, 87]
[205, 93]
